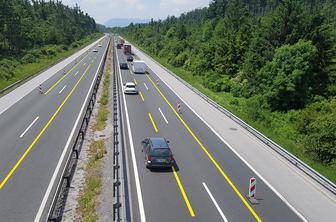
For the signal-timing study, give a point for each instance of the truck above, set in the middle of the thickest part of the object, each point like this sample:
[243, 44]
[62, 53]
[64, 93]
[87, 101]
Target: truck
[139, 66]
[127, 49]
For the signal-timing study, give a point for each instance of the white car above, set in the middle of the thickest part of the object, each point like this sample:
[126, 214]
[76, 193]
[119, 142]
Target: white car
[99, 45]
[129, 88]
[95, 50]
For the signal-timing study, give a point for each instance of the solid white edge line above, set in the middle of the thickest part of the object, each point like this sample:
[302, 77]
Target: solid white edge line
[135, 168]
[53, 178]
[62, 89]
[145, 85]
[235, 152]
[215, 202]
[29, 127]
[163, 115]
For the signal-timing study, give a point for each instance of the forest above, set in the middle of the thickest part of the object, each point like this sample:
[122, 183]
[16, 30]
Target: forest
[271, 62]
[38, 31]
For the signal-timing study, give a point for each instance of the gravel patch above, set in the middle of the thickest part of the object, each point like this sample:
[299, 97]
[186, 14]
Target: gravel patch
[70, 210]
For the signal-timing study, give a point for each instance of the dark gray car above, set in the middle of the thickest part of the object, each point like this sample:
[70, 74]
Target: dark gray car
[157, 152]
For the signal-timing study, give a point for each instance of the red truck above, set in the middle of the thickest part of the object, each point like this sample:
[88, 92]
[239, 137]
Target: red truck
[127, 49]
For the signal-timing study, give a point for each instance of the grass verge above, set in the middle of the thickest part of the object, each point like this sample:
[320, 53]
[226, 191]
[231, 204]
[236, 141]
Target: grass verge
[93, 183]
[277, 127]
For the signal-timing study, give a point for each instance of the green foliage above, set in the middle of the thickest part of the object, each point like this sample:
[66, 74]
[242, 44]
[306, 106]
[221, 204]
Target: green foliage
[28, 24]
[31, 31]
[286, 80]
[275, 58]
[7, 69]
[28, 58]
[319, 124]
[16, 68]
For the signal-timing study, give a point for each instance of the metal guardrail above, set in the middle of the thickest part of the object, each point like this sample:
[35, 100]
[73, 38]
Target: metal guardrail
[276, 147]
[117, 203]
[57, 205]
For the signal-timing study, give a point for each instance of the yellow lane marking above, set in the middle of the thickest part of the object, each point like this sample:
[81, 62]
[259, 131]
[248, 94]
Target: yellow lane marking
[226, 177]
[42, 131]
[135, 82]
[142, 98]
[184, 195]
[153, 123]
[58, 81]
[129, 68]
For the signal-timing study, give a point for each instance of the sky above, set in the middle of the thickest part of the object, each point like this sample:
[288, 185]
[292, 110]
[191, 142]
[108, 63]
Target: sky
[103, 10]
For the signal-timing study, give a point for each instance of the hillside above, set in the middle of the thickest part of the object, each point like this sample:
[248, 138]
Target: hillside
[270, 62]
[34, 34]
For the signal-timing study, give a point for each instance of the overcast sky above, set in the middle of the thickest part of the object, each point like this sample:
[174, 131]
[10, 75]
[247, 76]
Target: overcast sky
[103, 10]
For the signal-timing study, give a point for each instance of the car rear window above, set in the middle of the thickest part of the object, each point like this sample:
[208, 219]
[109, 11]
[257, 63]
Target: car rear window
[161, 152]
[159, 143]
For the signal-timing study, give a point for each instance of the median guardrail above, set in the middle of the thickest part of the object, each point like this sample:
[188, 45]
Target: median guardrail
[121, 196]
[276, 147]
[61, 190]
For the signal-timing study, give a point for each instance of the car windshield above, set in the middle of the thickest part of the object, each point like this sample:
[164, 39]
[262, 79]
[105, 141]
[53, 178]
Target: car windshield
[161, 152]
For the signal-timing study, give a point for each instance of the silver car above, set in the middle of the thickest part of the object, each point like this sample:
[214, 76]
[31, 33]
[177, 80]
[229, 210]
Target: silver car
[130, 88]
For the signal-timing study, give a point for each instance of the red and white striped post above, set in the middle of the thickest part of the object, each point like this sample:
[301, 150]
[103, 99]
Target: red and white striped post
[40, 89]
[252, 190]
[178, 108]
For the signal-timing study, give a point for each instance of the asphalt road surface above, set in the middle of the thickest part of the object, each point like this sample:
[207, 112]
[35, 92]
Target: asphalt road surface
[208, 182]
[34, 132]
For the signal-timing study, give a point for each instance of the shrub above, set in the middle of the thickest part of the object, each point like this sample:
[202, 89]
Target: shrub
[179, 60]
[28, 58]
[7, 69]
[74, 45]
[51, 51]
[255, 107]
[318, 124]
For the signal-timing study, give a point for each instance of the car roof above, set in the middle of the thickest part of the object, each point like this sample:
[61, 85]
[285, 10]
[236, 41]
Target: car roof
[158, 142]
[130, 84]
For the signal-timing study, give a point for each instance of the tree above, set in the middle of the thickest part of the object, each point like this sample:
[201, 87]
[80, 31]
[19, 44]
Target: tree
[287, 79]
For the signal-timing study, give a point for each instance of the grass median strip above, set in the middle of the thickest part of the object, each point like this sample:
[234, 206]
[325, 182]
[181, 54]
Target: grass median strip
[93, 183]
[87, 202]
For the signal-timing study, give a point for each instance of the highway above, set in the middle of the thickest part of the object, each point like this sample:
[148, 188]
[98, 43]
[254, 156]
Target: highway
[34, 132]
[208, 183]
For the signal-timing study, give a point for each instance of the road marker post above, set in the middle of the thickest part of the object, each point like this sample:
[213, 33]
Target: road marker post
[40, 89]
[252, 191]
[178, 108]
[157, 82]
